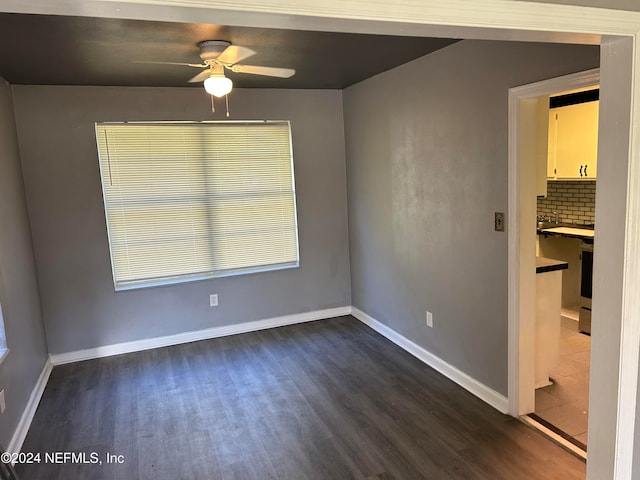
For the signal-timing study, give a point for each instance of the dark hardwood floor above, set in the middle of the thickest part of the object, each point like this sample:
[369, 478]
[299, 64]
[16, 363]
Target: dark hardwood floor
[330, 399]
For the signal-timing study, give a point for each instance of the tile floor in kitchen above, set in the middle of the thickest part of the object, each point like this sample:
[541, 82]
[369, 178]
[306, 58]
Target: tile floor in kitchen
[565, 404]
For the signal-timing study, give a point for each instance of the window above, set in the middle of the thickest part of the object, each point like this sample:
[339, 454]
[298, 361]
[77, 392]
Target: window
[187, 201]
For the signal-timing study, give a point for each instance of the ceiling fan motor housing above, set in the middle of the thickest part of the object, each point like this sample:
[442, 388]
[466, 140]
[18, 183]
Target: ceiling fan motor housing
[211, 49]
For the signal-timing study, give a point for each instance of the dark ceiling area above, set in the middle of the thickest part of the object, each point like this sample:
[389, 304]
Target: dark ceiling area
[59, 50]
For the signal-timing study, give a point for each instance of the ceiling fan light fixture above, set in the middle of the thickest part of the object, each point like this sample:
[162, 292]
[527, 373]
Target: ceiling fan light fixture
[218, 85]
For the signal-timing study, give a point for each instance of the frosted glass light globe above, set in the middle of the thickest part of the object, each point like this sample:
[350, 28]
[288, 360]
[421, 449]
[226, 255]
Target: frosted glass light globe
[218, 86]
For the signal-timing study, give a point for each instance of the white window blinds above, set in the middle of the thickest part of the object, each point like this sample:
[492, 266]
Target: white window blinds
[188, 201]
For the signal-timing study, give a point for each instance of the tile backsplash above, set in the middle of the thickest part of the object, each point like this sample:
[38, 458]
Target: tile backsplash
[575, 201]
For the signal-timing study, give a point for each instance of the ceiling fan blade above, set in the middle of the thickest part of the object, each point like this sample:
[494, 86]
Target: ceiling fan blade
[201, 77]
[233, 54]
[197, 65]
[268, 71]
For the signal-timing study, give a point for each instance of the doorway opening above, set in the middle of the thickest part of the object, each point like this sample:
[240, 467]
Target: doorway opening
[550, 383]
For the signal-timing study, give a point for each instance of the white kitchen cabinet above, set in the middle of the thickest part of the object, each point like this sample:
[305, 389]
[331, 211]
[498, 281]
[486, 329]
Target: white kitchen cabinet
[573, 142]
[568, 250]
[548, 323]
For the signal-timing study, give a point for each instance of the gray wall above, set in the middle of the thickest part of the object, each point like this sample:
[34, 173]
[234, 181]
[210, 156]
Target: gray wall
[18, 284]
[426, 169]
[80, 308]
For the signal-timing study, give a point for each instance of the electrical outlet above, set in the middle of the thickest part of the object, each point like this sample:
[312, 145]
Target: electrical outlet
[2, 404]
[429, 319]
[499, 221]
[213, 300]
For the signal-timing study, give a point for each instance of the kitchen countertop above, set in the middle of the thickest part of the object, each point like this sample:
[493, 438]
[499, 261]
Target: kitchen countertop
[544, 265]
[569, 230]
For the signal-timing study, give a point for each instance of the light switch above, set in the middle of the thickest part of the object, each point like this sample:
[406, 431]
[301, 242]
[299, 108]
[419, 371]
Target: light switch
[499, 221]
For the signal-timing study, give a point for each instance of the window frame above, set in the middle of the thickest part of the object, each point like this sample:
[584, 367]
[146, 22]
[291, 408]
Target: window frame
[185, 278]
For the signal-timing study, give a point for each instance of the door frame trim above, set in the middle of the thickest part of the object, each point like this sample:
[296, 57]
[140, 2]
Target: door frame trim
[521, 350]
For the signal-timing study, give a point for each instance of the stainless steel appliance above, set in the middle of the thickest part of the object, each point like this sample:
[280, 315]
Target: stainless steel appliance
[586, 282]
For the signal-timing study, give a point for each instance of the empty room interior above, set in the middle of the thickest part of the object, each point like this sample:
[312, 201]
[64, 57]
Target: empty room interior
[305, 274]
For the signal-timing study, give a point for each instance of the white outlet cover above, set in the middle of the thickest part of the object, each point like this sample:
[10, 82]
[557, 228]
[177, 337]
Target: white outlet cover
[2, 404]
[213, 300]
[429, 319]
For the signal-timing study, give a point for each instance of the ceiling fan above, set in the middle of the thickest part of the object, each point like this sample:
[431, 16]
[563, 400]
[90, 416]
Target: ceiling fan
[218, 55]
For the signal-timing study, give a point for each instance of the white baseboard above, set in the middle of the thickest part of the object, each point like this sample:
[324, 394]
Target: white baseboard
[15, 445]
[480, 390]
[186, 337]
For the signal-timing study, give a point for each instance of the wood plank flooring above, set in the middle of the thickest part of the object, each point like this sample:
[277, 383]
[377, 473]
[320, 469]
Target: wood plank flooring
[330, 399]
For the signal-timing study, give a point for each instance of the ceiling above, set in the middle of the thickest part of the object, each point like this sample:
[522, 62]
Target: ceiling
[62, 50]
